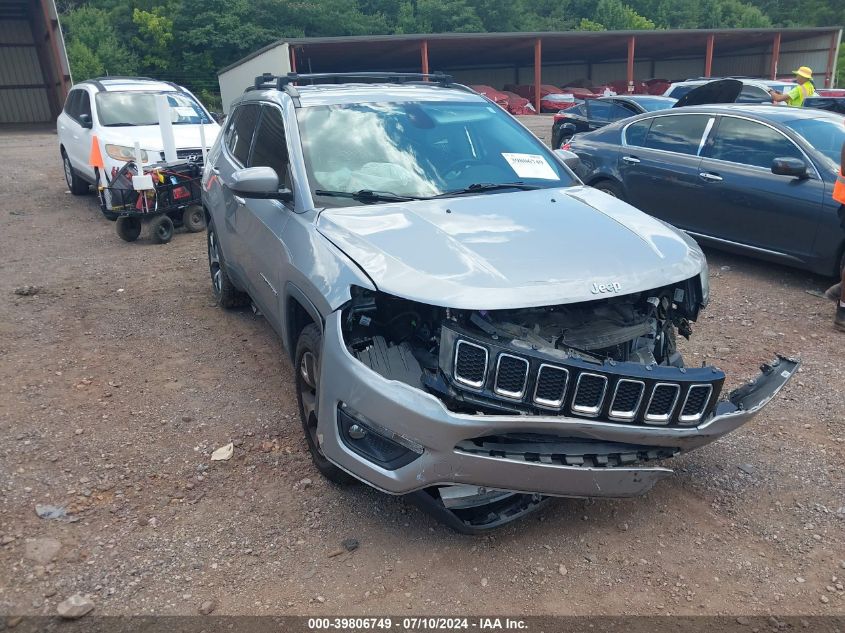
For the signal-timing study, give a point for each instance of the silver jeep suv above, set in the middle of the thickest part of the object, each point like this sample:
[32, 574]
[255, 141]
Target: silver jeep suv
[470, 325]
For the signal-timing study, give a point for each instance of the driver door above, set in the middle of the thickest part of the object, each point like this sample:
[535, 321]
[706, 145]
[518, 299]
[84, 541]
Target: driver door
[262, 222]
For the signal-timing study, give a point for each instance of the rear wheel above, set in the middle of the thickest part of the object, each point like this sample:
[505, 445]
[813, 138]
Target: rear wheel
[77, 185]
[307, 364]
[128, 228]
[193, 218]
[225, 293]
[610, 188]
[161, 229]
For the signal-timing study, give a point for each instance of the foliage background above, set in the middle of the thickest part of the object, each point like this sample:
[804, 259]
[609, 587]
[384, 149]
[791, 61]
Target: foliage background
[188, 41]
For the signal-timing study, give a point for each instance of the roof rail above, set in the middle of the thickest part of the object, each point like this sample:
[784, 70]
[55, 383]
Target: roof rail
[126, 77]
[269, 80]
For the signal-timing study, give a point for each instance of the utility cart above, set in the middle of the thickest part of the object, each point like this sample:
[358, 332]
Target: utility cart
[167, 195]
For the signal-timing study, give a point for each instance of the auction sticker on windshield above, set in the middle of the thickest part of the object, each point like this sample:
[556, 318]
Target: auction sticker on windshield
[530, 166]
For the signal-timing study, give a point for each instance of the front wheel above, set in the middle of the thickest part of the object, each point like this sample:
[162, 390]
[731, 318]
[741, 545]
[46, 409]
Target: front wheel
[128, 228]
[307, 366]
[193, 218]
[225, 293]
[161, 229]
[77, 186]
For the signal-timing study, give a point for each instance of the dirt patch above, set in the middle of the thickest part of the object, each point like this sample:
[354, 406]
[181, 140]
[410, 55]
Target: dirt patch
[118, 378]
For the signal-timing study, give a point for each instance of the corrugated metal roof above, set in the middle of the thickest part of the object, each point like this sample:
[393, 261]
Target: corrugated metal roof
[359, 52]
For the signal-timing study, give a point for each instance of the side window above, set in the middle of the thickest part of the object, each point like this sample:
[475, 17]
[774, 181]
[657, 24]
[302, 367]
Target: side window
[753, 94]
[72, 104]
[242, 128]
[84, 103]
[751, 143]
[679, 133]
[621, 111]
[229, 132]
[270, 148]
[636, 132]
[599, 110]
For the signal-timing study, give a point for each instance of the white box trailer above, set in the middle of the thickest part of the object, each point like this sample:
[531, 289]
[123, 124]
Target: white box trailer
[236, 78]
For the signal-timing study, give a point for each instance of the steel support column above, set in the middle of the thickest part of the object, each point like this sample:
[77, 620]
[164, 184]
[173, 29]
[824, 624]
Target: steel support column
[773, 71]
[831, 59]
[424, 56]
[293, 59]
[632, 42]
[538, 75]
[708, 59]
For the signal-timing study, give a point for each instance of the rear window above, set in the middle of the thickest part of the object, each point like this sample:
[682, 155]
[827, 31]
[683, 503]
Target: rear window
[636, 133]
[679, 133]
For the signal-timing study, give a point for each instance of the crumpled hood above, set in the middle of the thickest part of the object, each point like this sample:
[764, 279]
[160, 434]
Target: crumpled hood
[512, 250]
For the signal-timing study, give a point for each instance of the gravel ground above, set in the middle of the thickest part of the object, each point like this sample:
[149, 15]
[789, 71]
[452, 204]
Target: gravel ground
[119, 377]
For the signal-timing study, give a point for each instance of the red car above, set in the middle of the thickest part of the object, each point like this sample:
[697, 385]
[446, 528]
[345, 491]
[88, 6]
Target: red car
[499, 97]
[830, 92]
[518, 105]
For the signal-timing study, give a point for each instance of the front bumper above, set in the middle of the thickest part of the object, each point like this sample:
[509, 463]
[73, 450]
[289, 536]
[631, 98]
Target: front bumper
[421, 417]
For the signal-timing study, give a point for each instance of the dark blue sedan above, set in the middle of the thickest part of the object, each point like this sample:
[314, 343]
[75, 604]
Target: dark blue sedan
[753, 179]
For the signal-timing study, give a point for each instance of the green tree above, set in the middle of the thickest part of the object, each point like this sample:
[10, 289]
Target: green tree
[155, 35]
[615, 16]
[94, 46]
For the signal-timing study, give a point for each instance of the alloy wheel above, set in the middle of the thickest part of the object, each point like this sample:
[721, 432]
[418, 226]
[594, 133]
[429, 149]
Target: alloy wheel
[214, 264]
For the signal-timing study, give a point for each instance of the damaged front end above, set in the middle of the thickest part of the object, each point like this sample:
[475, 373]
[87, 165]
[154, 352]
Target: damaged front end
[568, 400]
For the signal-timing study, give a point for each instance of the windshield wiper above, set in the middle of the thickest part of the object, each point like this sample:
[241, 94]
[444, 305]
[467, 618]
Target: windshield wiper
[368, 195]
[479, 187]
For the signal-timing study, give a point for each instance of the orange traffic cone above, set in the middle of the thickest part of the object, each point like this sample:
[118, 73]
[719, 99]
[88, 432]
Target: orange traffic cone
[96, 158]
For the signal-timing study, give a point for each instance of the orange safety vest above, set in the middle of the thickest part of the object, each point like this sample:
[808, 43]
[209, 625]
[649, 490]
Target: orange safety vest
[839, 188]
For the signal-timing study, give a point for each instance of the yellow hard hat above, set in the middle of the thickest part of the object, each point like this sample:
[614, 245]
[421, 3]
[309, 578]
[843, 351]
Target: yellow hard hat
[805, 72]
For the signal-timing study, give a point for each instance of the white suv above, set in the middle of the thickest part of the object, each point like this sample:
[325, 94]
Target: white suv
[119, 111]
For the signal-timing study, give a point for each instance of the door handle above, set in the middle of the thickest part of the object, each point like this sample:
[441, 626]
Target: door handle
[633, 160]
[239, 200]
[706, 175]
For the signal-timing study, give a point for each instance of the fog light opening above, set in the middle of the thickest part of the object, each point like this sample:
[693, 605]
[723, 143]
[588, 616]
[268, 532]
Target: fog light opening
[370, 440]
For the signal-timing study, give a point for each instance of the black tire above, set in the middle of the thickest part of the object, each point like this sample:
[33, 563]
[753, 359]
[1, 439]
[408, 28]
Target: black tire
[565, 137]
[193, 218]
[225, 293]
[610, 188]
[161, 229]
[128, 228]
[77, 185]
[307, 379]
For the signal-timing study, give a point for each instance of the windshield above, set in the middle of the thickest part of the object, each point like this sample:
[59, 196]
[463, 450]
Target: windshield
[825, 135]
[420, 150]
[131, 108]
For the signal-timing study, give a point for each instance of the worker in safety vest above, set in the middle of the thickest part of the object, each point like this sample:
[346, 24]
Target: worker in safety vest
[837, 291]
[796, 96]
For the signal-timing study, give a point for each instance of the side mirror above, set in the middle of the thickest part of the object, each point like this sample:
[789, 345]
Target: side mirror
[570, 159]
[259, 182]
[794, 167]
[85, 121]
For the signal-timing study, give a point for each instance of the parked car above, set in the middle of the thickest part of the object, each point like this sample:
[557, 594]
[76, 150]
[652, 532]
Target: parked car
[754, 179]
[831, 104]
[595, 113]
[120, 111]
[753, 91]
[519, 105]
[469, 324]
[497, 96]
[830, 92]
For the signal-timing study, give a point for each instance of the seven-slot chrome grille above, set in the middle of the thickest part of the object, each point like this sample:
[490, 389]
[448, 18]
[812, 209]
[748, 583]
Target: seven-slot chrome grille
[617, 392]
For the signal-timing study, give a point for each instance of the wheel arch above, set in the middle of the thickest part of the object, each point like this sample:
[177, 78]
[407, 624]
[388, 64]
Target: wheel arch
[300, 312]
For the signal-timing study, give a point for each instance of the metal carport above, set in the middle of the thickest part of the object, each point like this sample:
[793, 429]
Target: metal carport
[34, 71]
